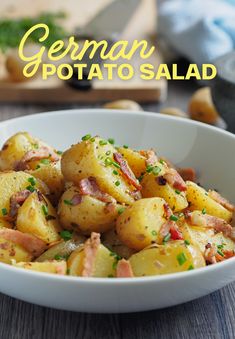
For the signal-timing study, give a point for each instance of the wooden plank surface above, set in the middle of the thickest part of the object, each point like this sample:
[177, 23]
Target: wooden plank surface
[212, 316]
[141, 25]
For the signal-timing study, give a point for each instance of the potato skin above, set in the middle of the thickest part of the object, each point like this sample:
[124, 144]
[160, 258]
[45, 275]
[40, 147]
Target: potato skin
[138, 226]
[14, 149]
[54, 267]
[63, 249]
[52, 176]
[12, 182]
[198, 199]
[104, 264]
[90, 159]
[164, 259]
[91, 215]
[10, 250]
[31, 219]
[136, 161]
[201, 106]
[151, 188]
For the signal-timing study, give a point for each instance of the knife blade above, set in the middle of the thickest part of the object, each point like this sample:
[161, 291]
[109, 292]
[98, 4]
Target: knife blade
[110, 21]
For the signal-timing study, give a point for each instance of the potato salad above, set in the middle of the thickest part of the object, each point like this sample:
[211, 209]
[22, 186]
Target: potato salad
[100, 210]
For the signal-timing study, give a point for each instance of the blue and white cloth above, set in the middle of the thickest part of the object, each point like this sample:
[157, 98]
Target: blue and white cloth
[200, 30]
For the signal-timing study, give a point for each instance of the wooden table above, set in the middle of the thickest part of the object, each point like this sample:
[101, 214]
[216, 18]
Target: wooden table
[209, 317]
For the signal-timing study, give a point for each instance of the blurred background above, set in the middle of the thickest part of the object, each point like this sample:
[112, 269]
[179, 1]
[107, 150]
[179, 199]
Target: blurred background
[184, 31]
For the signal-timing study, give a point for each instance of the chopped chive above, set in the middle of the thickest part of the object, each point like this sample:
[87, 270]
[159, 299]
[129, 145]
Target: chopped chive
[35, 146]
[220, 246]
[110, 276]
[111, 141]
[30, 188]
[108, 162]
[32, 181]
[154, 233]
[203, 211]
[45, 161]
[4, 211]
[38, 166]
[92, 139]
[114, 163]
[103, 142]
[125, 146]
[115, 172]
[68, 202]
[191, 267]
[108, 153]
[181, 258]
[149, 169]
[177, 192]
[45, 210]
[59, 152]
[156, 170]
[162, 161]
[86, 137]
[167, 238]
[66, 235]
[187, 242]
[61, 257]
[220, 253]
[117, 183]
[121, 210]
[174, 217]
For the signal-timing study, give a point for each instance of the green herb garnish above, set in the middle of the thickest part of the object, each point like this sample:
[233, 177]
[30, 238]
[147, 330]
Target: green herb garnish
[167, 238]
[117, 183]
[125, 146]
[86, 137]
[121, 210]
[45, 210]
[103, 142]
[68, 202]
[30, 188]
[111, 141]
[156, 170]
[66, 235]
[181, 258]
[220, 253]
[115, 172]
[191, 267]
[177, 192]
[203, 211]
[187, 242]
[32, 181]
[4, 211]
[174, 217]
[45, 161]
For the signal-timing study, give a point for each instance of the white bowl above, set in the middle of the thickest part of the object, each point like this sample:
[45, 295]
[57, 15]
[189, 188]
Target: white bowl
[208, 149]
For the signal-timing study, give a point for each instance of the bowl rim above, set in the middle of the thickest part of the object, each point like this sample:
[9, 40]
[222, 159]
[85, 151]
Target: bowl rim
[114, 281]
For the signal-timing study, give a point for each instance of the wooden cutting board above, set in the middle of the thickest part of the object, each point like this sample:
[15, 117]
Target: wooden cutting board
[141, 26]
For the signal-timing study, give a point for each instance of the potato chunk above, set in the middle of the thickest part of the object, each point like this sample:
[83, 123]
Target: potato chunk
[138, 226]
[55, 267]
[136, 161]
[10, 250]
[95, 158]
[37, 217]
[13, 182]
[175, 256]
[152, 187]
[199, 200]
[88, 215]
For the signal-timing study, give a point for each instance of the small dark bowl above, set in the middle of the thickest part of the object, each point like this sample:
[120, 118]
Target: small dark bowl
[223, 89]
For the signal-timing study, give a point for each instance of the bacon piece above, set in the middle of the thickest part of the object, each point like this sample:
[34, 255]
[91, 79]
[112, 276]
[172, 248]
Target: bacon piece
[110, 208]
[36, 154]
[187, 173]
[175, 180]
[124, 269]
[126, 171]
[221, 200]
[175, 232]
[91, 247]
[165, 229]
[204, 220]
[90, 187]
[168, 211]
[30, 243]
[151, 158]
[76, 199]
[210, 254]
[228, 254]
[17, 200]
